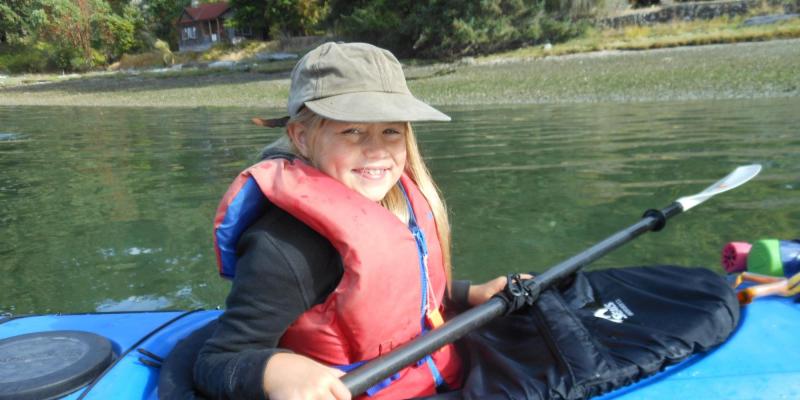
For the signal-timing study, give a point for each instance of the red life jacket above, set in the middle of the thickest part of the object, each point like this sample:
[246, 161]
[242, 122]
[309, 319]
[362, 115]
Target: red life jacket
[378, 304]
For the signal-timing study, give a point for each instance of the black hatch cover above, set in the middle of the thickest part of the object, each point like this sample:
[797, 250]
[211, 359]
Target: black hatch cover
[46, 365]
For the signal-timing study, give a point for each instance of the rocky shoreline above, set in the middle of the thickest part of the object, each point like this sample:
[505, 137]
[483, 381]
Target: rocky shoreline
[693, 11]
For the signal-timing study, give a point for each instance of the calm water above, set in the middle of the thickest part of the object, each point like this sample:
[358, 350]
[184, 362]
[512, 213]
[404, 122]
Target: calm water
[111, 209]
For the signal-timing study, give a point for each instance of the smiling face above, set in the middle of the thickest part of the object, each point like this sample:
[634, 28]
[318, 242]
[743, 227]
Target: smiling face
[366, 157]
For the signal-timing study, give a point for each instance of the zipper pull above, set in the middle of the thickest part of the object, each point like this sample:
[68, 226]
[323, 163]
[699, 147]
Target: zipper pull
[434, 319]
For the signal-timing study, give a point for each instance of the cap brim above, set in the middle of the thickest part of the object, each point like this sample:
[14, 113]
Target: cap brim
[375, 107]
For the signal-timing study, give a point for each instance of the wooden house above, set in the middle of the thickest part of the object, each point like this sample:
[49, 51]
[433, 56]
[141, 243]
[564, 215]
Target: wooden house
[202, 25]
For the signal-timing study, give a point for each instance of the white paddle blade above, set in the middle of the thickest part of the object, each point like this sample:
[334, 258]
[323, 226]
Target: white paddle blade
[737, 178]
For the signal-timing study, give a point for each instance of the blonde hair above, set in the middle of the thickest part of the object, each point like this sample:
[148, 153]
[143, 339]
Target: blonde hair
[394, 201]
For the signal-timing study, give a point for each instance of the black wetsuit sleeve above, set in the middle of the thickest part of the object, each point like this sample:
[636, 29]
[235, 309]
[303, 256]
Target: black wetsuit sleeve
[458, 297]
[284, 268]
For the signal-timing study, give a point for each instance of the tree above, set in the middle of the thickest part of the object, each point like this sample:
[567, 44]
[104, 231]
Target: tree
[453, 28]
[294, 17]
[395, 25]
[161, 17]
[115, 34]
[69, 34]
[250, 14]
[275, 18]
[65, 25]
[18, 20]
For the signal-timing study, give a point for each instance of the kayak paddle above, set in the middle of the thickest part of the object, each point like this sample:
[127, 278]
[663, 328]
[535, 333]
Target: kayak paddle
[526, 292]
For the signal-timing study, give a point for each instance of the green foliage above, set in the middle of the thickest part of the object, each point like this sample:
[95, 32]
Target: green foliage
[160, 18]
[65, 27]
[24, 59]
[69, 35]
[452, 28]
[162, 47]
[45, 57]
[573, 9]
[116, 34]
[14, 20]
[279, 18]
[120, 36]
[250, 13]
[377, 22]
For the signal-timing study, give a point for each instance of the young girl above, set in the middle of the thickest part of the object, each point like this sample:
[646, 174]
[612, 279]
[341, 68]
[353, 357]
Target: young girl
[338, 243]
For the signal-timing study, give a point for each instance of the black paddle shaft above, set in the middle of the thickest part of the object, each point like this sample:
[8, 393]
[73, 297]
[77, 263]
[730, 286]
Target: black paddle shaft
[369, 374]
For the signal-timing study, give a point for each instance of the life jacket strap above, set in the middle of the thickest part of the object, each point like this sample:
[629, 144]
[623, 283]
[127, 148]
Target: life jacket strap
[422, 248]
[437, 376]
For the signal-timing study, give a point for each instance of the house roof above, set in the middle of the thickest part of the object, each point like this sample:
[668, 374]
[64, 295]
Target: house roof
[204, 12]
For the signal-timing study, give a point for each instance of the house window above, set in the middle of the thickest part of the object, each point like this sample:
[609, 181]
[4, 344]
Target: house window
[189, 32]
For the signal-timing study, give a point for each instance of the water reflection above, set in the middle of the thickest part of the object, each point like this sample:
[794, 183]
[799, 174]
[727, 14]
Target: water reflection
[5, 136]
[135, 303]
[111, 209]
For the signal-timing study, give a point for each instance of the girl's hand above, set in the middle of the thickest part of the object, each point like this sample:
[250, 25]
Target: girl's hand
[291, 376]
[479, 294]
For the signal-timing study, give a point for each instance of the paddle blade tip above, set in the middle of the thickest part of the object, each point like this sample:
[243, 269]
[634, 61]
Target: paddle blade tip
[738, 177]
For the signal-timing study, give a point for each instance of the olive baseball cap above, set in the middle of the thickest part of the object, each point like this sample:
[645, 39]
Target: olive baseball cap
[356, 82]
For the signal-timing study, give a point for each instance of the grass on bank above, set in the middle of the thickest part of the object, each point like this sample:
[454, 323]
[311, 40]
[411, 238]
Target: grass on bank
[674, 34]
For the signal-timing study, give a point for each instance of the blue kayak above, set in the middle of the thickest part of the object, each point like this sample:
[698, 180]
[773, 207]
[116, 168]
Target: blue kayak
[130, 375]
[759, 361]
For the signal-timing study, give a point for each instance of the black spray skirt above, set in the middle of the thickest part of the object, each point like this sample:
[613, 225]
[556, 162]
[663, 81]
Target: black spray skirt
[600, 331]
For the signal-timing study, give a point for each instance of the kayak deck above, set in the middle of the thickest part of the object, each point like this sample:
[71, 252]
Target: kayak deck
[156, 332]
[759, 361]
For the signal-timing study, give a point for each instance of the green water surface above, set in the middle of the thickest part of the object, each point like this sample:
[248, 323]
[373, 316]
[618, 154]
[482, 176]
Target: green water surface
[112, 208]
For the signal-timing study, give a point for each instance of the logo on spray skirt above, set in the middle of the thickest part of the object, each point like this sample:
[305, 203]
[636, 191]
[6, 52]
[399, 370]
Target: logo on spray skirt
[614, 311]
